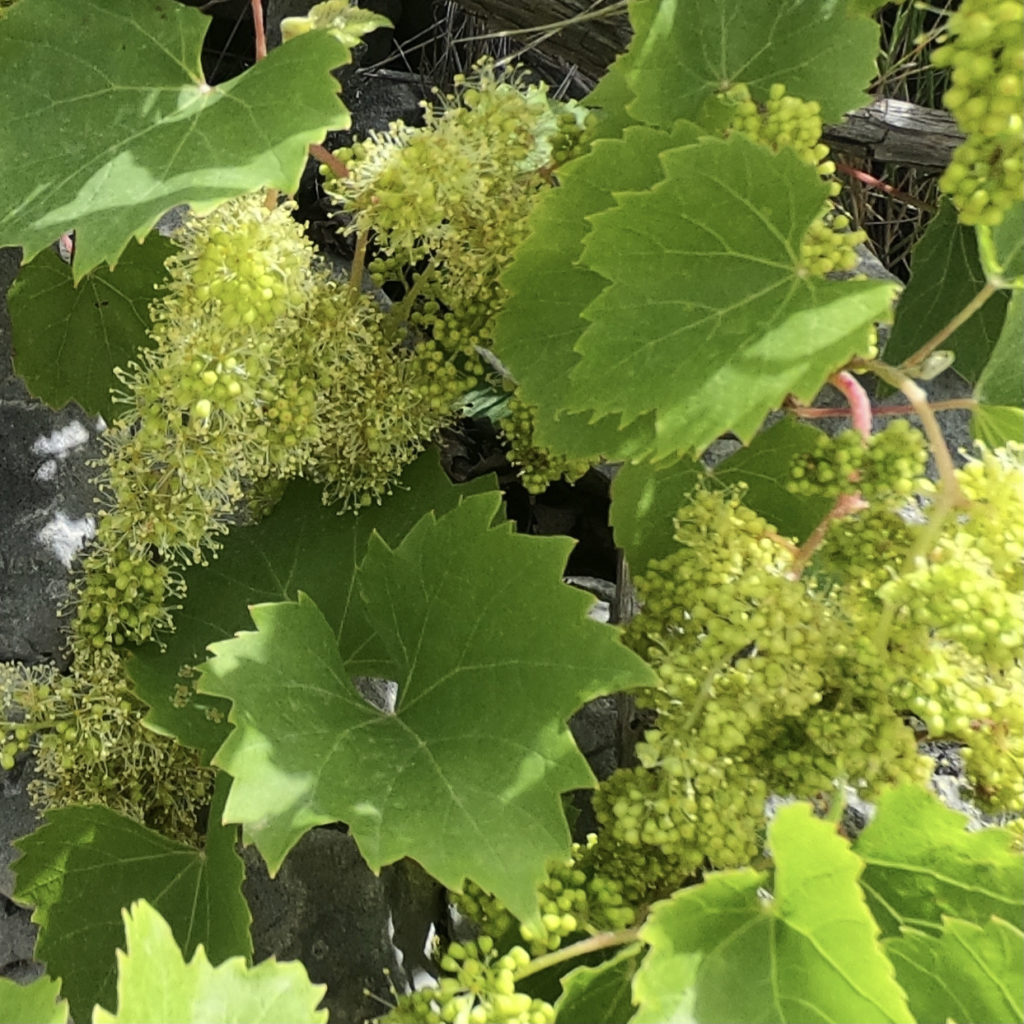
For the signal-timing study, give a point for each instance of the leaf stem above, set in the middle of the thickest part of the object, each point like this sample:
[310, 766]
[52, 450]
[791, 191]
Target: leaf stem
[258, 29]
[591, 944]
[359, 260]
[860, 404]
[972, 307]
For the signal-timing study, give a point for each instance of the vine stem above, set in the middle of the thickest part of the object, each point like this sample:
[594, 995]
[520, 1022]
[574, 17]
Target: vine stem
[359, 261]
[325, 156]
[845, 505]
[860, 404]
[258, 29]
[806, 412]
[950, 495]
[602, 940]
[895, 193]
[972, 307]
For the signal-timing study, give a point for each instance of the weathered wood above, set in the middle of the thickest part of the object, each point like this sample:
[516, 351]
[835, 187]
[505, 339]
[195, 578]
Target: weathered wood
[888, 131]
[894, 131]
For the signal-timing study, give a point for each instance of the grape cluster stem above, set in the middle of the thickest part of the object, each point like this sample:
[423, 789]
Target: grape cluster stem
[591, 944]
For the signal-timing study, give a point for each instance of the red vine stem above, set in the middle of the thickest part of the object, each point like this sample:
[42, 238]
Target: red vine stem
[807, 412]
[972, 307]
[845, 505]
[860, 404]
[325, 156]
[257, 24]
[873, 182]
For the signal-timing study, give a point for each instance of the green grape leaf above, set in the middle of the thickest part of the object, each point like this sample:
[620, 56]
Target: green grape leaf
[301, 545]
[85, 863]
[764, 467]
[1002, 380]
[709, 320]
[695, 48]
[38, 1002]
[968, 973]
[491, 654]
[67, 339]
[154, 982]
[728, 950]
[549, 289]
[921, 864]
[140, 130]
[997, 424]
[1002, 249]
[644, 500]
[601, 994]
[945, 274]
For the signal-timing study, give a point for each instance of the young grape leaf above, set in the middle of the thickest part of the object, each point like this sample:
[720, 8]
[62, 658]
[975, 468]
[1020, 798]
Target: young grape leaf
[549, 289]
[601, 994]
[644, 500]
[997, 424]
[1000, 392]
[945, 274]
[695, 48]
[922, 864]
[38, 1002]
[968, 973]
[727, 949]
[764, 467]
[710, 321]
[85, 863]
[67, 339]
[1002, 249]
[154, 982]
[491, 653]
[301, 545]
[140, 130]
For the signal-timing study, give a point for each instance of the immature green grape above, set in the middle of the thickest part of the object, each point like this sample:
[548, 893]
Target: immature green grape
[787, 122]
[986, 54]
[478, 986]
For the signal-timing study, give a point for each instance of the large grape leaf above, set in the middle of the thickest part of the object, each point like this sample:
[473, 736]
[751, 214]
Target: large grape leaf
[68, 340]
[154, 983]
[301, 545]
[38, 1002]
[922, 864]
[709, 321]
[85, 864]
[1000, 392]
[140, 130]
[764, 467]
[728, 950]
[549, 289]
[968, 973]
[491, 653]
[945, 274]
[695, 48]
[601, 994]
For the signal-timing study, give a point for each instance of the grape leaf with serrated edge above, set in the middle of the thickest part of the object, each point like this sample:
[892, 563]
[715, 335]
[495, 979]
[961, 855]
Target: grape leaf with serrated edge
[38, 1002]
[968, 973]
[601, 994]
[541, 321]
[85, 863]
[921, 864]
[709, 320]
[68, 340]
[491, 653]
[945, 274]
[140, 130]
[695, 48]
[155, 983]
[727, 949]
[301, 545]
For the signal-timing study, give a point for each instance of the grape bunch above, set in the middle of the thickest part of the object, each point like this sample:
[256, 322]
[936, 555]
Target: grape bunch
[477, 986]
[538, 466]
[986, 54]
[888, 466]
[787, 122]
[575, 900]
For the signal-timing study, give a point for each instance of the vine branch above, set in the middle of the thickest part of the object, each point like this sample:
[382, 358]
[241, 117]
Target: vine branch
[591, 944]
[972, 307]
